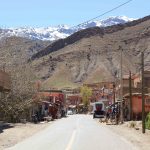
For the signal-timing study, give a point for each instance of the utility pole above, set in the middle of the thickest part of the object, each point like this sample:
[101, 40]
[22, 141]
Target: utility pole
[143, 97]
[130, 91]
[121, 88]
[114, 96]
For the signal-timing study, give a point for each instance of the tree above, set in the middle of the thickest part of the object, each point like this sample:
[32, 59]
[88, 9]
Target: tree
[16, 104]
[14, 55]
[86, 92]
[147, 121]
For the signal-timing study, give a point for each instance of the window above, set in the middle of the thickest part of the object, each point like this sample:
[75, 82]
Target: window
[147, 101]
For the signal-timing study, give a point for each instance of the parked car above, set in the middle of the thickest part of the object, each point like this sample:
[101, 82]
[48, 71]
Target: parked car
[99, 110]
[69, 112]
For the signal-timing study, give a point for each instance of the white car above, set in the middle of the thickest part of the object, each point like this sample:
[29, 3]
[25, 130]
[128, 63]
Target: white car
[69, 112]
[99, 110]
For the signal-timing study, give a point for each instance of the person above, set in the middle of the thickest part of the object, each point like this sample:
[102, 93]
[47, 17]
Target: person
[114, 111]
[126, 113]
[108, 113]
[117, 114]
[34, 118]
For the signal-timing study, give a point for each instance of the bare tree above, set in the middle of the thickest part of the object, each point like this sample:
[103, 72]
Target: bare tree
[17, 102]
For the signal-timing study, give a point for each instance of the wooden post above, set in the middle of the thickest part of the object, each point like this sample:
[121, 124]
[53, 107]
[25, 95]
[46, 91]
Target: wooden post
[130, 91]
[143, 97]
[121, 88]
[114, 95]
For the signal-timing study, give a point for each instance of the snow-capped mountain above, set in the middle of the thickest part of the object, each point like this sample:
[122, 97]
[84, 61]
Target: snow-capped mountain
[61, 31]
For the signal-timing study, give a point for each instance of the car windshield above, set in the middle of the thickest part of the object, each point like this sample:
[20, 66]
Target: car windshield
[99, 106]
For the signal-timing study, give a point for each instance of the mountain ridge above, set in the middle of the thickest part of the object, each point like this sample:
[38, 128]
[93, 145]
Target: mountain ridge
[60, 31]
[85, 33]
[96, 58]
[88, 56]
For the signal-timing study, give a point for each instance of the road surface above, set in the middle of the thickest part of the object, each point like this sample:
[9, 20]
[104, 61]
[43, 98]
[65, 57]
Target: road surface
[76, 132]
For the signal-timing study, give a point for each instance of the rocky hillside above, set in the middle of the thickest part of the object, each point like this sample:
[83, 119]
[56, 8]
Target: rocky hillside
[17, 50]
[93, 54]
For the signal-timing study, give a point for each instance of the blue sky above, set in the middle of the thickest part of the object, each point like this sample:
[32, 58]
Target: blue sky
[42, 13]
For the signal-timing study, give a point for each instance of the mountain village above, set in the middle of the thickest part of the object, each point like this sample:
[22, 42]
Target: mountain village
[91, 72]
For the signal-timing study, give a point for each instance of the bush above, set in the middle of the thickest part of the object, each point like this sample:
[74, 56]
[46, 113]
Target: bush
[147, 121]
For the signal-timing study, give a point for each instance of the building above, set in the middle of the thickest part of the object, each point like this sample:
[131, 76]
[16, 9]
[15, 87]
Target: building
[102, 91]
[74, 99]
[136, 93]
[137, 104]
[48, 103]
[137, 81]
[125, 87]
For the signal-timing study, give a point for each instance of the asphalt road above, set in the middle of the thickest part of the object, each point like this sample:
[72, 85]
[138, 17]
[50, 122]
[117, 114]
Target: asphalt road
[76, 132]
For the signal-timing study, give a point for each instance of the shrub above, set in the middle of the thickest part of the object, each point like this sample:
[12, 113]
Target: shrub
[147, 121]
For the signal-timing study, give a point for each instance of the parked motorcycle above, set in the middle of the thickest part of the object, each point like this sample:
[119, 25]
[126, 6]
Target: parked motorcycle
[34, 118]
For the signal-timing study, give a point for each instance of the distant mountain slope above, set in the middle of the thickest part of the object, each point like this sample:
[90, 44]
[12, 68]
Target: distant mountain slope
[61, 43]
[59, 32]
[93, 55]
[17, 50]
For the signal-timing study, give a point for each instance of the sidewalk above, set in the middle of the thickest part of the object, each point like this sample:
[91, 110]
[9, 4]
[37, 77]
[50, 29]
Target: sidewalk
[14, 133]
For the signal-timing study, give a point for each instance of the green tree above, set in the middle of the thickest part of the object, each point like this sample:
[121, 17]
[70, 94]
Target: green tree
[86, 92]
[147, 121]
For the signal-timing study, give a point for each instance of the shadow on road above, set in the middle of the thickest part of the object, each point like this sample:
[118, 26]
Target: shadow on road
[5, 126]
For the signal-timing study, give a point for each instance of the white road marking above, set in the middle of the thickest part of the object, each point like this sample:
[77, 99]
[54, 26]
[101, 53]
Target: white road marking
[71, 140]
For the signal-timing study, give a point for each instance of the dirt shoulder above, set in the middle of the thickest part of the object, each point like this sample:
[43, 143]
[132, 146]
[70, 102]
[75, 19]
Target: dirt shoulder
[134, 135]
[14, 133]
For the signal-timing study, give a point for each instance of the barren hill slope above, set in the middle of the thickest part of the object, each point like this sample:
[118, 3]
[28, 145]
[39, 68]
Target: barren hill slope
[17, 50]
[94, 57]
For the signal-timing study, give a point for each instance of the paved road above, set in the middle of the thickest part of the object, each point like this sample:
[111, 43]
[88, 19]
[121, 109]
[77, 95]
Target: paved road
[77, 132]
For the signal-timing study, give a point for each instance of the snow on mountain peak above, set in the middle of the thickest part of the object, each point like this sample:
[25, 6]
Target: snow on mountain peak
[60, 31]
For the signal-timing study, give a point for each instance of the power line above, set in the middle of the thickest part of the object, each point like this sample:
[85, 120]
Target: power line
[104, 13]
